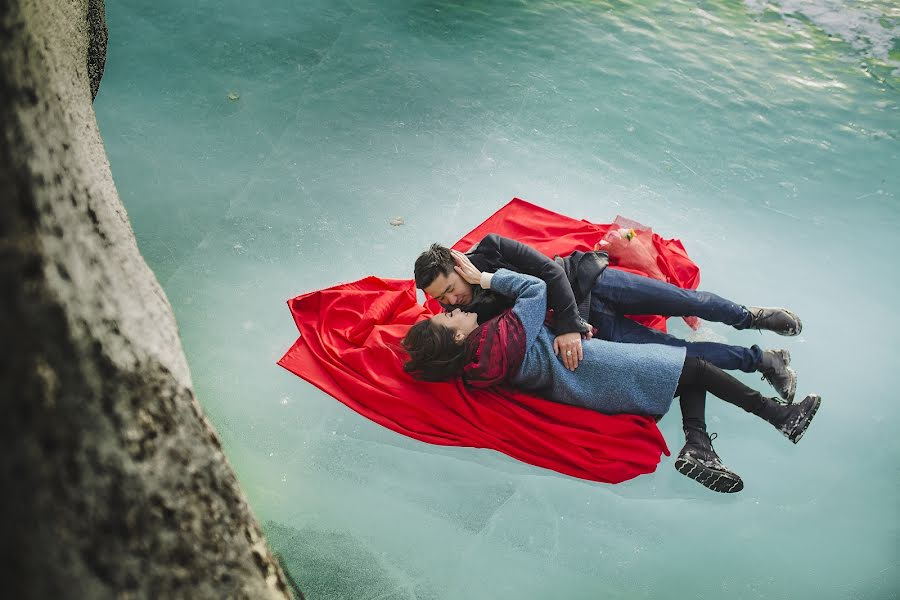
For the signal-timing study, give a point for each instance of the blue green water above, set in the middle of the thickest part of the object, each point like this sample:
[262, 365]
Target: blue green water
[764, 135]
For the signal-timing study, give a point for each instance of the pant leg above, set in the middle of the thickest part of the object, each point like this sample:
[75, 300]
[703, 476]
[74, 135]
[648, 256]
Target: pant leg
[631, 294]
[699, 374]
[617, 328]
[693, 403]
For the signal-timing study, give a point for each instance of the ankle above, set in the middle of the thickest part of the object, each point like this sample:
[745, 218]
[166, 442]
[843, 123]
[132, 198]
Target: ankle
[693, 425]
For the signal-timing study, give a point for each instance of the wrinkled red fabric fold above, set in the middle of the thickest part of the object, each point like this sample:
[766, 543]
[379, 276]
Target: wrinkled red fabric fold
[349, 347]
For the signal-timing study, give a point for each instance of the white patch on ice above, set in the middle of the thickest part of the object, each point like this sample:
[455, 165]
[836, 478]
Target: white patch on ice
[705, 334]
[865, 27]
[812, 83]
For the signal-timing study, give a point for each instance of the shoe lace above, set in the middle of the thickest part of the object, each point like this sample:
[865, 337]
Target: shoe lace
[760, 316]
[756, 317]
[776, 399]
[764, 378]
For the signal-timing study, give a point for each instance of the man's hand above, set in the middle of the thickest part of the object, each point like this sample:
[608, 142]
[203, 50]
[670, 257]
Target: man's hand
[465, 268]
[568, 348]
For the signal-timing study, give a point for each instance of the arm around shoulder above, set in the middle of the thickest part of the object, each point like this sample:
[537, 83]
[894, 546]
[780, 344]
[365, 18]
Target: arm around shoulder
[531, 298]
[560, 297]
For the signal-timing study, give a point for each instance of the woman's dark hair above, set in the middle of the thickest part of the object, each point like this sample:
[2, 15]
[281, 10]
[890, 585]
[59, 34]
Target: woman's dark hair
[435, 261]
[433, 353]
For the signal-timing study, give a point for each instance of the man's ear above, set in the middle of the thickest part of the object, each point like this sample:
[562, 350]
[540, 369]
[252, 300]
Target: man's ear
[459, 337]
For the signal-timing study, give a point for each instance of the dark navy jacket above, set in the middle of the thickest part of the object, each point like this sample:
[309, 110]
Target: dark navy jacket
[569, 280]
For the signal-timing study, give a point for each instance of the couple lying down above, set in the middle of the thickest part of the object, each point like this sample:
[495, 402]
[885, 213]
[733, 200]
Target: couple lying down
[494, 332]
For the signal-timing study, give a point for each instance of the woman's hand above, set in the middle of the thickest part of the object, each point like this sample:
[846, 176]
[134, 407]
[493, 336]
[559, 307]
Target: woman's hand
[568, 348]
[465, 268]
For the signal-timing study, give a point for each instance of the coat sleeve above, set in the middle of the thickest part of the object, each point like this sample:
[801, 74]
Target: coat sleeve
[520, 257]
[531, 300]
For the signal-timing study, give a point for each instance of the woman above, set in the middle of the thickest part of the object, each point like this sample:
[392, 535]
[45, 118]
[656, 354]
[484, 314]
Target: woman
[516, 348]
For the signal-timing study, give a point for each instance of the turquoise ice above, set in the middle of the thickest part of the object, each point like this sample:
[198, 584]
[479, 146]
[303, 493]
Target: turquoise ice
[262, 150]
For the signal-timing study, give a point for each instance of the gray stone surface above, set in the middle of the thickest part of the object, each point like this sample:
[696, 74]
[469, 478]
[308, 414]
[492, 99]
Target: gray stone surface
[98, 37]
[114, 483]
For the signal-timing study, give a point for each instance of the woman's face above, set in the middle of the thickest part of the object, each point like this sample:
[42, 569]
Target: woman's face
[462, 323]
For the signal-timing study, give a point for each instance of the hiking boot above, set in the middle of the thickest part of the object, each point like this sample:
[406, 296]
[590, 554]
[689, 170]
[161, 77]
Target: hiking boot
[780, 320]
[700, 462]
[774, 368]
[790, 419]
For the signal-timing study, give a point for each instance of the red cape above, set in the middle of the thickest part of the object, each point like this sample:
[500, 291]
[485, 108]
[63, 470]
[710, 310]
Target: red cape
[349, 347]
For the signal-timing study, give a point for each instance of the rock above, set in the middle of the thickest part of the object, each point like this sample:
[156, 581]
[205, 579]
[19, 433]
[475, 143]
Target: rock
[115, 484]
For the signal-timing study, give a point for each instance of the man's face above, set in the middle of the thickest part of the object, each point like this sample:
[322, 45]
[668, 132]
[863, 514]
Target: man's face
[450, 289]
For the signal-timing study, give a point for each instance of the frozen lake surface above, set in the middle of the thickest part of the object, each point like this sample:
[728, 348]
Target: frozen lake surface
[262, 149]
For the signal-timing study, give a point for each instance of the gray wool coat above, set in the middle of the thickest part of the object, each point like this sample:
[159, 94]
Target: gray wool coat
[612, 378]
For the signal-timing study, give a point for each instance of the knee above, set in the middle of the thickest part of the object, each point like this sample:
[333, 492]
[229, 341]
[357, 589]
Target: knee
[695, 364]
[694, 369]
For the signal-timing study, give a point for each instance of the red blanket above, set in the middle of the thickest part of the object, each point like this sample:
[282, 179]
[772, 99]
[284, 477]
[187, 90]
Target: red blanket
[349, 348]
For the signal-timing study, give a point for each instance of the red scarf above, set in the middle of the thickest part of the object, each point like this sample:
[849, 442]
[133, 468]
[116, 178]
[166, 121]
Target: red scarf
[496, 351]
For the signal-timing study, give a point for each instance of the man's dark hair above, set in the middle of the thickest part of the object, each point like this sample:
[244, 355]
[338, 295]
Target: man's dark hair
[435, 261]
[433, 353]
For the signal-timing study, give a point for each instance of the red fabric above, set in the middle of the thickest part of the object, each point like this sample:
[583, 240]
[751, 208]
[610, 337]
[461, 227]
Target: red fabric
[552, 234]
[349, 347]
[635, 247]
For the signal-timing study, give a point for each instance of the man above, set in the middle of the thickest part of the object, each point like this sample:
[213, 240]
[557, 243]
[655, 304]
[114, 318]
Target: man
[582, 292]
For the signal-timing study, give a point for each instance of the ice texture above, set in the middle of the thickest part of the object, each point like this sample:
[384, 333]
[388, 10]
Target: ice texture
[262, 150]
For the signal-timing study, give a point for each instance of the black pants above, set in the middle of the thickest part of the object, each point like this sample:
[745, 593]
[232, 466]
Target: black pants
[699, 377]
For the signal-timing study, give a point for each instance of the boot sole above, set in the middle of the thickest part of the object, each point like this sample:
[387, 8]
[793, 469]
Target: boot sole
[724, 482]
[785, 356]
[801, 427]
[792, 388]
[788, 395]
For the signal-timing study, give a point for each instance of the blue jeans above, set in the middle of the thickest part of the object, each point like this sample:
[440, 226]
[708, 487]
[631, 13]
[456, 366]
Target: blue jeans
[618, 293]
